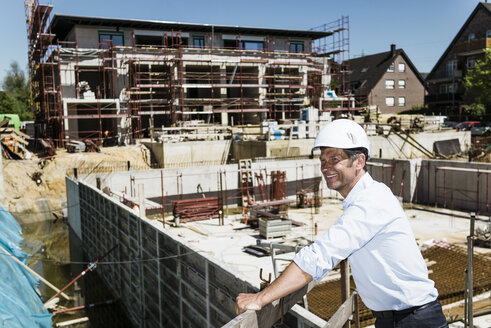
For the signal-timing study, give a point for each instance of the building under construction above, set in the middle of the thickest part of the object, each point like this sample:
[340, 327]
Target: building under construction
[94, 76]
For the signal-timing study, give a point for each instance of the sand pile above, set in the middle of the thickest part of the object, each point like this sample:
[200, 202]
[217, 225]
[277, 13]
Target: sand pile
[35, 189]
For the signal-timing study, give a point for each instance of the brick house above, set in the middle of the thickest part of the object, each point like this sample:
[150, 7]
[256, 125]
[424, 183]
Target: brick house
[445, 81]
[388, 80]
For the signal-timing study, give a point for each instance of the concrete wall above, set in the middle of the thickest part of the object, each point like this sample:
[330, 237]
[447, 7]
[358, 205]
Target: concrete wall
[464, 187]
[413, 180]
[73, 197]
[190, 153]
[217, 152]
[457, 185]
[185, 288]
[273, 148]
[393, 146]
[194, 182]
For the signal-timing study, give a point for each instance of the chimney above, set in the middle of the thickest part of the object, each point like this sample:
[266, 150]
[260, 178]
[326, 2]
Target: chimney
[392, 50]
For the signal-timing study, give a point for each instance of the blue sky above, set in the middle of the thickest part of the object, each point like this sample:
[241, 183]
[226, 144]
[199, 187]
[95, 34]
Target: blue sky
[423, 28]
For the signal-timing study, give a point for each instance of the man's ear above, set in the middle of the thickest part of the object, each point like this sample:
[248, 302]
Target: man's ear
[361, 161]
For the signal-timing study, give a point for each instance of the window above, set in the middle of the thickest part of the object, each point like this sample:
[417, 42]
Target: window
[252, 45]
[450, 68]
[110, 38]
[364, 69]
[401, 67]
[488, 33]
[402, 101]
[446, 88]
[296, 46]
[391, 68]
[389, 101]
[389, 84]
[198, 41]
[471, 62]
[402, 84]
[471, 37]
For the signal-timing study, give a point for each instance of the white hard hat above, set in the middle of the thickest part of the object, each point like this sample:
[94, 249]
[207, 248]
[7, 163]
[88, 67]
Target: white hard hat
[344, 134]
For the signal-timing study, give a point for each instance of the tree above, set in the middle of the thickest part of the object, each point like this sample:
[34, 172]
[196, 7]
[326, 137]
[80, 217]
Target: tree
[16, 88]
[8, 105]
[478, 83]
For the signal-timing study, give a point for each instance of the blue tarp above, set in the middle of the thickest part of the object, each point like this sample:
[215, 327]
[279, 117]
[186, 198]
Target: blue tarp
[20, 305]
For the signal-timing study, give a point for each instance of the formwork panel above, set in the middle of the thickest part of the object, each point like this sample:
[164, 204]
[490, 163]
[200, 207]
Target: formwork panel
[149, 246]
[194, 300]
[217, 319]
[170, 306]
[194, 260]
[192, 318]
[168, 248]
[194, 279]
[169, 278]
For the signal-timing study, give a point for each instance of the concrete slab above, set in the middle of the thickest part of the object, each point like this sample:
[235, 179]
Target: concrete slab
[226, 242]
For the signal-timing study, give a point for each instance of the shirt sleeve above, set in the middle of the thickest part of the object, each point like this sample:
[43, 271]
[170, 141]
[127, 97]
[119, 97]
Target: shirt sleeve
[348, 234]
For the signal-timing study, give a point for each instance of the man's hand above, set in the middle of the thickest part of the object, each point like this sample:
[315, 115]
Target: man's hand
[246, 302]
[292, 279]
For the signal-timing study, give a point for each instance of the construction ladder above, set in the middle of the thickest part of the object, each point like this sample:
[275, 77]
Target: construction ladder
[246, 181]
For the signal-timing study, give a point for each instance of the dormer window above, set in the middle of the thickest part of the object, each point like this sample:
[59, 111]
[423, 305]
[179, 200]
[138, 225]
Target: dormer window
[471, 37]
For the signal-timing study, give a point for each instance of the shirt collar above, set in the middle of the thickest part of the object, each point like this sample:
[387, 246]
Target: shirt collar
[361, 185]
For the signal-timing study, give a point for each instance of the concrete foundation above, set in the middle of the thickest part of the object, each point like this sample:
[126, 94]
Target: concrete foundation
[164, 280]
[217, 152]
[161, 281]
[273, 148]
[393, 146]
[191, 153]
[452, 184]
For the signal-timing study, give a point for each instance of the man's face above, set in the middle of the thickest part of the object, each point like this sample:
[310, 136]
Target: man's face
[340, 173]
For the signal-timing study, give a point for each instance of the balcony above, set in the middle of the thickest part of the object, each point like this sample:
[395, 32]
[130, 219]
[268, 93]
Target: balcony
[468, 46]
[443, 98]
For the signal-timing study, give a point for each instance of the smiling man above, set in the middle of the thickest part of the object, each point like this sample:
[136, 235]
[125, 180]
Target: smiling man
[373, 233]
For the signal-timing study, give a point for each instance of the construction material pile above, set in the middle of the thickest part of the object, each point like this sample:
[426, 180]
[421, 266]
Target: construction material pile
[446, 263]
[14, 143]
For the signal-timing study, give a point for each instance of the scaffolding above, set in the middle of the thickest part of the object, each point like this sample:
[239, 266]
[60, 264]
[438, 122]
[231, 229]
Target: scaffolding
[337, 47]
[162, 81]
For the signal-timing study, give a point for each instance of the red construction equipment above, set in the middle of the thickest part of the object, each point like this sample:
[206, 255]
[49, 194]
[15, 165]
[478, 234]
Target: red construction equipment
[197, 209]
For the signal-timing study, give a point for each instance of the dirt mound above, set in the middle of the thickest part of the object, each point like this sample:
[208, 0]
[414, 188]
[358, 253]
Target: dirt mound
[35, 189]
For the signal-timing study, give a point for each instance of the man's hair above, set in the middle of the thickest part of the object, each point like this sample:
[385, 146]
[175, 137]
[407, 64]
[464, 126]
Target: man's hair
[353, 153]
